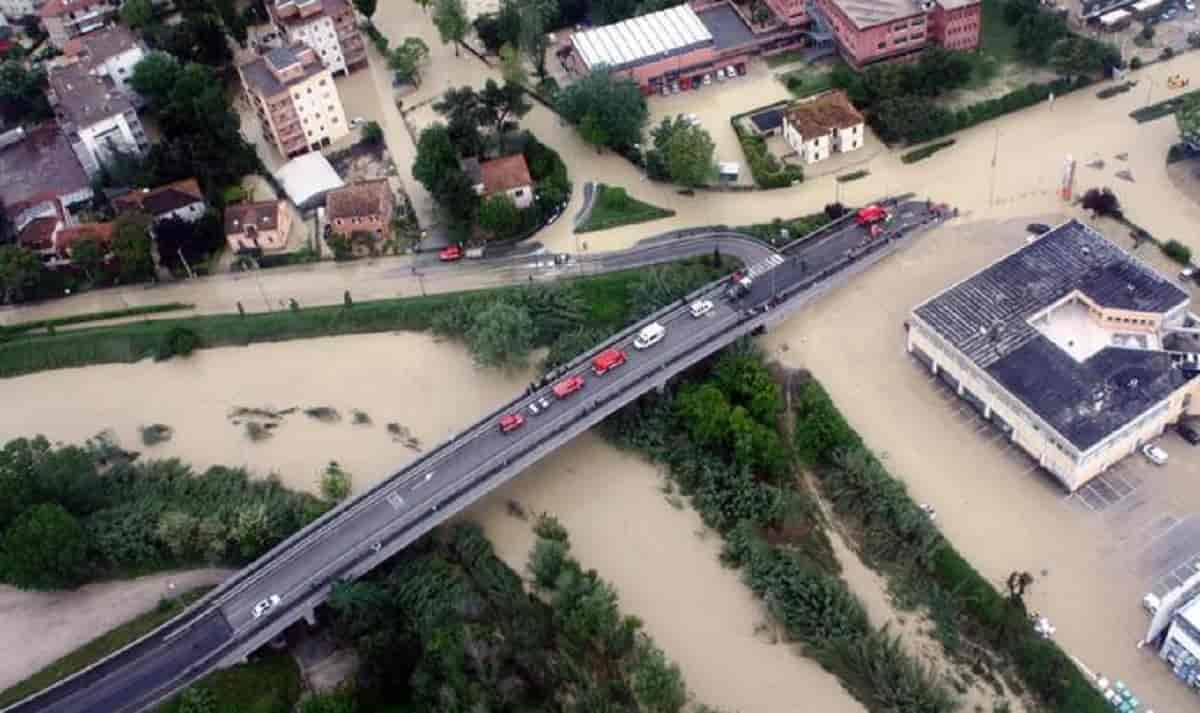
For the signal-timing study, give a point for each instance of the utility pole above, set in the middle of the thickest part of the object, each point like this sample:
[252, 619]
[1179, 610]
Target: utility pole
[995, 154]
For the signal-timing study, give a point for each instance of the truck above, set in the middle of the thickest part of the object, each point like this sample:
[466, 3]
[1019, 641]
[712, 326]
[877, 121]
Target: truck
[871, 215]
[606, 360]
[568, 386]
[739, 286]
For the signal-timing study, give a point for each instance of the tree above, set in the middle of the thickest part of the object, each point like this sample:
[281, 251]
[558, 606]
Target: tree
[184, 244]
[609, 111]
[436, 157]
[511, 66]
[1036, 35]
[686, 151]
[132, 247]
[450, 18]
[373, 133]
[1018, 582]
[1082, 56]
[1187, 118]
[154, 77]
[44, 548]
[656, 681]
[88, 256]
[406, 59]
[533, 38]
[22, 94]
[706, 412]
[335, 483]
[366, 7]
[1102, 202]
[200, 37]
[500, 102]
[20, 273]
[501, 336]
[136, 14]
[465, 113]
[197, 699]
[500, 216]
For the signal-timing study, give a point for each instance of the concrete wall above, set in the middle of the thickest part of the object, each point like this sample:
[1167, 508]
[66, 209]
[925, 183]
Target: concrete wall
[877, 42]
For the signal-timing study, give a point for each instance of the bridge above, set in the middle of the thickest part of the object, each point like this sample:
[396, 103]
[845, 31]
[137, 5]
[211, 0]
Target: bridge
[356, 536]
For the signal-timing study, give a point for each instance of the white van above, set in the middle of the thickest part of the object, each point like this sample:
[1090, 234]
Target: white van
[650, 335]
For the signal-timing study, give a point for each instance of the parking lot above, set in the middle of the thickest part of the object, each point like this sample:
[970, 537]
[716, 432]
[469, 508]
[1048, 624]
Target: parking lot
[1093, 553]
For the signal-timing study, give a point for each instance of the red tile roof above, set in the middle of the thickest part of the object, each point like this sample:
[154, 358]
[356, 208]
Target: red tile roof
[367, 199]
[163, 199]
[38, 234]
[823, 113]
[502, 174]
[84, 231]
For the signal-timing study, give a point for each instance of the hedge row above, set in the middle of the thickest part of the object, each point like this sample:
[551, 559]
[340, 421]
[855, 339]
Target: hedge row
[925, 151]
[7, 332]
[768, 171]
[826, 441]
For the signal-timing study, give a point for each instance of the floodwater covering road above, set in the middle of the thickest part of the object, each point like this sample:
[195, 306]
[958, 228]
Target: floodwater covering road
[620, 524]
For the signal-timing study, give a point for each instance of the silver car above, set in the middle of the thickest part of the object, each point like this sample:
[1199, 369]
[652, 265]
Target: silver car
[265, 605]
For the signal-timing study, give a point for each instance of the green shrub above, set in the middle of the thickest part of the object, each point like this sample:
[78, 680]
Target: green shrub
[1135, 63]
[925, 151]
[178, 341]
[1178, 252]
[821, 431]
[768, 172]
[853, 176]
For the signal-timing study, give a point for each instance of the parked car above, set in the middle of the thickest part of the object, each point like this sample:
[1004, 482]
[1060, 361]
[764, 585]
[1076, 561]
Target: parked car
[701, 307]
[650, 335]
[451, 254]
[708, 79]
[511, 422]
[1155, 454]
[1189, 431]
[265, 605]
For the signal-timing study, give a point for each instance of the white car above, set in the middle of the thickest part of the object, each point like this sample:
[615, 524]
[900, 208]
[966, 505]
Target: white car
[538, 405]
[650, 335]
[691, 119]
[1155, 454]
[701, 307]
[708, 79]
[1187, 273]
[265, 605]
[357, 122]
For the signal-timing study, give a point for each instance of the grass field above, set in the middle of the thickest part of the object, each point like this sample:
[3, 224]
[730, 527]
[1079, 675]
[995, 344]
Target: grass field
[99, 647]
[50, 324]
[607, 297]
[788, 57]
[806, 82]
[614, 207]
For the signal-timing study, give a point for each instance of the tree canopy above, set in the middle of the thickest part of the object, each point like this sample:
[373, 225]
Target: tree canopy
[20, 272]
[608, 110]
[685, 151]
[406, 59]
[500, 216]
[22, 94]
[44, 548]
[1187, 118]
[450, 19]
[502, 335]
[366, 7]
[132, 247]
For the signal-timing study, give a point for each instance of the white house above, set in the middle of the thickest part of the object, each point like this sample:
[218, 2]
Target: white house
[99, 121]
[327, 26]
[509, 175]
[110, 53]
[821, 124]
[181, 199]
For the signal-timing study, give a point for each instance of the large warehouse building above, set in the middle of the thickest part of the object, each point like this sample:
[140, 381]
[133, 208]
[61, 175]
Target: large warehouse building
[1074, 348]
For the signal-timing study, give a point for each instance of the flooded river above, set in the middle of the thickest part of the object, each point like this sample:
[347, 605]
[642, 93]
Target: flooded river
[665, 571]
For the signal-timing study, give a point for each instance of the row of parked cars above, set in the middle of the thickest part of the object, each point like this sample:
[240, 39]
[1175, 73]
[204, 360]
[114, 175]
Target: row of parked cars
[604, 362]
[683, 84]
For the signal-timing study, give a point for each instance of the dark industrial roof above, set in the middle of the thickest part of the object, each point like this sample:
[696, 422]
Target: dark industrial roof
[726, 26]
[768, 120]
[1087, 401]
[987, 315]
[41, 162]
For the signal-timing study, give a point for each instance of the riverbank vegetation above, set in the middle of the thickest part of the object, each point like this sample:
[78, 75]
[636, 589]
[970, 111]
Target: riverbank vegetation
[447, 625]
[75, 514]
[596, 305]
[614, 207]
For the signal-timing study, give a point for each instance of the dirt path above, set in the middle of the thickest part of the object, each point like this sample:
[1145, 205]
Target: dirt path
[37, 628]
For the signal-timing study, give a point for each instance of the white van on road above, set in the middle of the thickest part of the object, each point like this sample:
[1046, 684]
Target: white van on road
[650, 335]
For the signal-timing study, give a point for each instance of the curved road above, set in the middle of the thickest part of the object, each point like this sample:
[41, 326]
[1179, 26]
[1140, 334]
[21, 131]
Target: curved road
[358, 535]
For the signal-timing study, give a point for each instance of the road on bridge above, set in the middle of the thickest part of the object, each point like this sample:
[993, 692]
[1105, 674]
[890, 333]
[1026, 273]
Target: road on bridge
[364, 532]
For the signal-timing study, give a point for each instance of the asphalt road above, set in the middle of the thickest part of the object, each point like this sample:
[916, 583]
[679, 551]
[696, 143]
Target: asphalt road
[419, 496]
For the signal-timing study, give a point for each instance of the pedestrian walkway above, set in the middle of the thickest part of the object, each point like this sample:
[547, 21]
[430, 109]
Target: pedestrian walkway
[765, 266]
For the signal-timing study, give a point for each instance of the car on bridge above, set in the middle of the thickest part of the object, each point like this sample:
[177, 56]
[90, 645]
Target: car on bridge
[265, 605]
[607, 360]
[650, 335]
[700, 308]
[452, 253]
[568, 386]
[510, 422]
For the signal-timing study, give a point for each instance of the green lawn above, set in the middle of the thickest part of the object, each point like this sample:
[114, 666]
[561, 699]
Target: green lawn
[998, 38]
[613, 206]
[267, 684]
[47, 324]
[99, 647]
[783, 58]
[806, 82]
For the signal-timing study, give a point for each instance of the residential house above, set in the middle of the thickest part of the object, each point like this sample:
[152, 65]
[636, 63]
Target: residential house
[870, 31]
[64, 19]
[822, 124]
[508, 175]
[181, 199]
[52, 239]
[39, 165]
[326, 26]
[99, 121]
[294, 96]
[367, 206]
[67, 238]
[258, 226]
[110, 53]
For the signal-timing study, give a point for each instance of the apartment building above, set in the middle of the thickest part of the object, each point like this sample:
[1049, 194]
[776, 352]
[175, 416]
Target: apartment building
[98, 120]
[870, 31]
[326, 26]
[820, 125]
[1073, 348]
[295, 98]
[64, 19]
[109, 53]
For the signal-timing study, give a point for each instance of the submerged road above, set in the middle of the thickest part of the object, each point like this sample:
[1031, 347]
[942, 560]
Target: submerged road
[357, 535]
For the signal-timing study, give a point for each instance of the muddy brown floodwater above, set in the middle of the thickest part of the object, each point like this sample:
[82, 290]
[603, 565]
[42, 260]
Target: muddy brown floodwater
[620, 523]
